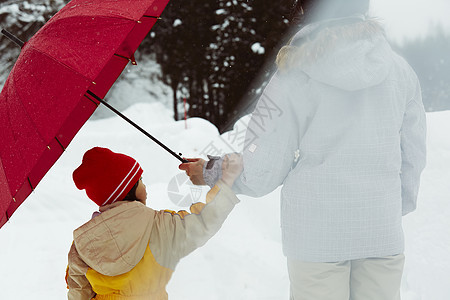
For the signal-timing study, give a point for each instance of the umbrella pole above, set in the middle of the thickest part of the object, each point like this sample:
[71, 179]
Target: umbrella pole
[137, 126]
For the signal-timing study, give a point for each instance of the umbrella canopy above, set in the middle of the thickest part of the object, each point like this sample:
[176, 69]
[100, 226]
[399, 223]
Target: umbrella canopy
[49, 94]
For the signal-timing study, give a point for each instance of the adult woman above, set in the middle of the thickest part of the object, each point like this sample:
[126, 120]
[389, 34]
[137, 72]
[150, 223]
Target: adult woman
[348, 146]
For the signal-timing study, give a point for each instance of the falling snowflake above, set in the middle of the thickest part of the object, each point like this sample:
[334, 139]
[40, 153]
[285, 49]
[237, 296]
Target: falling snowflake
[258, 49]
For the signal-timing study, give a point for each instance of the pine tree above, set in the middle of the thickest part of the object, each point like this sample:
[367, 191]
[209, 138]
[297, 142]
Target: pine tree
[212, 51]
[180, 40]
[253, 34]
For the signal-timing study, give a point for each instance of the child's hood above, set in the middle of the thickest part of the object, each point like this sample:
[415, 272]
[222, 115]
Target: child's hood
[113, 242]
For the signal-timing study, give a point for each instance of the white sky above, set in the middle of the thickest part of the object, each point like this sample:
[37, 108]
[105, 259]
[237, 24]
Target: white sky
[411, 18]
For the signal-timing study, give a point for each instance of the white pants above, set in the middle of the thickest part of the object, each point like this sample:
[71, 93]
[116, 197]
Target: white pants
[361, 279]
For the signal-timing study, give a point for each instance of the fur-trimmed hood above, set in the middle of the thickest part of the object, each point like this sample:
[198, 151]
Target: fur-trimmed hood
[350, 53]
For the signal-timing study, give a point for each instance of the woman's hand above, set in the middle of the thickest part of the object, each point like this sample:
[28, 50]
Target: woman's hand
[194, 169]
[232, 167]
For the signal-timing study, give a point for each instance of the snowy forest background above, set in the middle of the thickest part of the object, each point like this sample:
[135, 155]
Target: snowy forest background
[219, 54]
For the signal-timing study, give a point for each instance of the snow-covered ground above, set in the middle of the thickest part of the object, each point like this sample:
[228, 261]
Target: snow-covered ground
[244, 260]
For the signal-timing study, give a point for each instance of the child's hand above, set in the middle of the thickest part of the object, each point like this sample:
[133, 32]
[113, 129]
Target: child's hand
[194, 169]
[232, 167]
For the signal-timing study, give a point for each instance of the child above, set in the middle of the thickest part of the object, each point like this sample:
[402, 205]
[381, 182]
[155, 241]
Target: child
[128, 250]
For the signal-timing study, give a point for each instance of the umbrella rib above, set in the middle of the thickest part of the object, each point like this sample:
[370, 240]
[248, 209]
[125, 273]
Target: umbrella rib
[154, 17]
[29, 182]
[25, 110]
[96, 103]
[60, 144]
[127, 58]
[112, 16]
[13, 38]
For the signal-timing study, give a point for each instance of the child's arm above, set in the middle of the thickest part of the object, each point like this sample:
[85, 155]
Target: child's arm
[175, 236]
[77, 283]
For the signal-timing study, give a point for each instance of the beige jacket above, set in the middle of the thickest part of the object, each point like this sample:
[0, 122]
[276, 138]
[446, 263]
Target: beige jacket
[129, 251]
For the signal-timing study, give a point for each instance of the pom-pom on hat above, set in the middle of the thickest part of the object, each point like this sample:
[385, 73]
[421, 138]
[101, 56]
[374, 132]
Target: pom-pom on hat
[106, 176]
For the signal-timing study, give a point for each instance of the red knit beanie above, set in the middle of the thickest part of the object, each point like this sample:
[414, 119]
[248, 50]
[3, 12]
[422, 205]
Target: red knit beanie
[106, 176]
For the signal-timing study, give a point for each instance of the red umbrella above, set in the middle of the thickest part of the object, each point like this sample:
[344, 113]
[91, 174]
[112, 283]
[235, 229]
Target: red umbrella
[61, 75]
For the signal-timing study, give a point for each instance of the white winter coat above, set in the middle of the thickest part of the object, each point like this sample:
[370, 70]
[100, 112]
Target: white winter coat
[341, 126]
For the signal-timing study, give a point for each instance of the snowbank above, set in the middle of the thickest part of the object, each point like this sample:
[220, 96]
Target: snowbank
[244, 260]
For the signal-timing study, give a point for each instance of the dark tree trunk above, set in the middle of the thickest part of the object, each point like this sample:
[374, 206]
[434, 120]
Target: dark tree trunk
[174, 86]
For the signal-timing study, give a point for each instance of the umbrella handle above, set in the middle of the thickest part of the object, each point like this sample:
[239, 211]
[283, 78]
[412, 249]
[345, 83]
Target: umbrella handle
[137, 126]
[13, 38]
